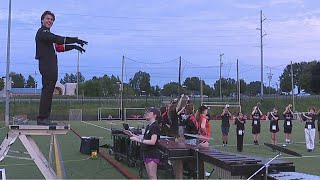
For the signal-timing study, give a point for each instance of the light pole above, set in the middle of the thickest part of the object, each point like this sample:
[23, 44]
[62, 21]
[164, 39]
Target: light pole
[184, 88]
[8, 89]
[145, 94]
[221, 54]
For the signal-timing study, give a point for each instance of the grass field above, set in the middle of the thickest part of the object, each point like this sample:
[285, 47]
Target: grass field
[79, 166]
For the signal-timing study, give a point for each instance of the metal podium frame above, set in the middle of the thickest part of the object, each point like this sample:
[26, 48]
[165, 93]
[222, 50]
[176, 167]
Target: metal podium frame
[25, 133]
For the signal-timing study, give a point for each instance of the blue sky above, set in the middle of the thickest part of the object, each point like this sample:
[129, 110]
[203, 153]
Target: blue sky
[153, 34]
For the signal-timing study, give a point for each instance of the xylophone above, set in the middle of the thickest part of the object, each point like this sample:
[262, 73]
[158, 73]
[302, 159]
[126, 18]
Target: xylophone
[124, 148]
[231, 165]
[226, 165]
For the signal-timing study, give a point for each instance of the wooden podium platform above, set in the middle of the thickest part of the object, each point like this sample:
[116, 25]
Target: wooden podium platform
[24, 132]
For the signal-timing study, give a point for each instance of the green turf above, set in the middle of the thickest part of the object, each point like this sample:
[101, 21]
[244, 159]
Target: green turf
[79, 166]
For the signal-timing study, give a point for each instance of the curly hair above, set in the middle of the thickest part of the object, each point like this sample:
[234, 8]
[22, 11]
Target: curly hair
[48, 13]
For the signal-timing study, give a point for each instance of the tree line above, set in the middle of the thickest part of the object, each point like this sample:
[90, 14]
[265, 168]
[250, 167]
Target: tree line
[306, 76]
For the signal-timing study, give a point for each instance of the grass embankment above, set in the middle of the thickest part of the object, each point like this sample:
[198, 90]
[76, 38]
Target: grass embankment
[61, 107]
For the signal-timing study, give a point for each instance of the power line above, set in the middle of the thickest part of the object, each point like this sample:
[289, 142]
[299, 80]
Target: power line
[181, 18]
[141, 62]
[153, 35]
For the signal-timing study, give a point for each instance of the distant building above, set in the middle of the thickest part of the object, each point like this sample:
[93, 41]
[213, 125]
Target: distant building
[60, 89]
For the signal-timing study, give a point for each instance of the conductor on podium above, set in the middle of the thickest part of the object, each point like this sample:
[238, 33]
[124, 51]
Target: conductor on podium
[47, 44]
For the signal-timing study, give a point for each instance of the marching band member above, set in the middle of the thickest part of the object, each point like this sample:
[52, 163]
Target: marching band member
[256, 126]
[287, 124]
[149, 142]
[204, 125]
[273, 117]
[310, 126]
[165, 122]
[191, 125]
[225, 124]
[240, 121]
[173, 116]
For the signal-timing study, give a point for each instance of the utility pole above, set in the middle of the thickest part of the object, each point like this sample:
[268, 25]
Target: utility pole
[201, 91]
[35, 82]
[261, 49]
[121, 90]
[292, 88]
[8, 80]
[270, 78]
[78, 75]
[179, 78]
[221, 54]
[239, 86]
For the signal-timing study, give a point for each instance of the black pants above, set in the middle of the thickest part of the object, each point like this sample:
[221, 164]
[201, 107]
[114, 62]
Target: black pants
[49, 72]
[239, 141]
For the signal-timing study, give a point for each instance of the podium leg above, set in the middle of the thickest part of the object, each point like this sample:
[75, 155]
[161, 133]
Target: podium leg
[38, 157]
[6, 144]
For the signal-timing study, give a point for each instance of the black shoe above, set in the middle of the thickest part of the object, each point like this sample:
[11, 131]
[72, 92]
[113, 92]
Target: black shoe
[309, 150]
[239, 150]
[45, 122]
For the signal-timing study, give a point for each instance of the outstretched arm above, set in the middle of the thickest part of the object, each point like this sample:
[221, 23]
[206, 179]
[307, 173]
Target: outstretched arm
[70, 47]
[46, 35]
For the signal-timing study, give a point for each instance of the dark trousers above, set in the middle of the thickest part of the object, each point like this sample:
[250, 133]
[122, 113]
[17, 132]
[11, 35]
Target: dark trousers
[239, 142]
[49, 72]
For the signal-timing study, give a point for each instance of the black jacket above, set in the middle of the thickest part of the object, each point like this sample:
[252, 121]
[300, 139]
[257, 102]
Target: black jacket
[44, 44]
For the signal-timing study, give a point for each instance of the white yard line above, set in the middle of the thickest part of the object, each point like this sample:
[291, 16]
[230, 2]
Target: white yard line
[97, 126]
[293, 157]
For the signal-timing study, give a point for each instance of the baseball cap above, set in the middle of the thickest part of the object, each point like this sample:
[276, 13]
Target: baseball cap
[202, 108]
[152, 109]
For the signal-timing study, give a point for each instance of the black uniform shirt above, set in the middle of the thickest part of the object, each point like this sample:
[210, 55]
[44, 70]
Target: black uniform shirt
[256, 118]
[273, 121]
[225, 120]
[310, 122]
[287, 120]
[239, 124]
[151, 151]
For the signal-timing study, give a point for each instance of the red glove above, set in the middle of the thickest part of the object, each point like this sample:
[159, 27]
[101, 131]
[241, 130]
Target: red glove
[59, 47]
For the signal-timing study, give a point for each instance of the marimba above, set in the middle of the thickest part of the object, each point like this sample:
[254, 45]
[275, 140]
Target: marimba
[237, 166]
[292, 175]
[226, 165]
[124, 148]
[174, 150]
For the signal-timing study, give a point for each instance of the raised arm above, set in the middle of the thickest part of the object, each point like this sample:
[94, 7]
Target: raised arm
[179, 103]
[254, 110]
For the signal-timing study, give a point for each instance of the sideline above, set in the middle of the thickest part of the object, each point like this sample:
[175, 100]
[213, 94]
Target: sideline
[61, 172]
[122, 170]
[96, 126]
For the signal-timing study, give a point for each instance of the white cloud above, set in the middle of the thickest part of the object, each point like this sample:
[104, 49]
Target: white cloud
[237, 4]
[280, 2]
